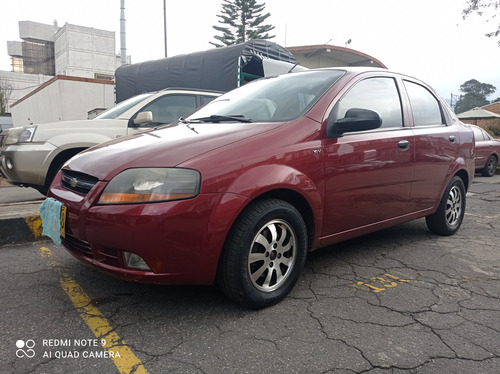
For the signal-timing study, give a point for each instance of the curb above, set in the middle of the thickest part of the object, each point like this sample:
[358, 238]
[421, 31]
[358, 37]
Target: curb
[20, 220]
[21, 229]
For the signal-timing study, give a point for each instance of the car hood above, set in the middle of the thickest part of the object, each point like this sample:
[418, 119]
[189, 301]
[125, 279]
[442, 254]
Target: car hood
[45, 131]
[167, 146]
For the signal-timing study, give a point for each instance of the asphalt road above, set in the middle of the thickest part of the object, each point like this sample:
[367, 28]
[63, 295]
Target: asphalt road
[398, 301]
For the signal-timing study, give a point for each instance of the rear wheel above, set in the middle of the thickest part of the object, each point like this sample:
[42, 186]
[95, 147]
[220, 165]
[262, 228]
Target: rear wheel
[450, 214]
[491, 167]
[264, 254]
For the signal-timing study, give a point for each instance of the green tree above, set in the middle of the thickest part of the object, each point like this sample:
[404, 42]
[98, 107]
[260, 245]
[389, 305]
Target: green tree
[489, 7]
[243, 20]
[475, 95]
[474, 86]
[470, 101]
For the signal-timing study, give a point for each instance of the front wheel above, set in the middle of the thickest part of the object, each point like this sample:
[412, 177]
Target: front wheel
[450, 214]
[491, 167]
[264, 254]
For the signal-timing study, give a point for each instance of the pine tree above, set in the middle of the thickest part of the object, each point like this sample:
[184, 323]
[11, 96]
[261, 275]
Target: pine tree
[244, 20]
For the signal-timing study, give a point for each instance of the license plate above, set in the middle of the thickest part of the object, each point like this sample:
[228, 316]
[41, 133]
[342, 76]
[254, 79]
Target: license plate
[63, 221]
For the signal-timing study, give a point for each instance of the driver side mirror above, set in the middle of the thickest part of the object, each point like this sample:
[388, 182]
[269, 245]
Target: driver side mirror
[143, 118]
[356, 119]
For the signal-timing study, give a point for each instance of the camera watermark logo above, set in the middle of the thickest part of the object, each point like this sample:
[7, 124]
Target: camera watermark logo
[25, 348]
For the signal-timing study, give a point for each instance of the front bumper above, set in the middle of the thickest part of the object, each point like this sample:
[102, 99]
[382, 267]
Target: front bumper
[180, 241]
[27, 163]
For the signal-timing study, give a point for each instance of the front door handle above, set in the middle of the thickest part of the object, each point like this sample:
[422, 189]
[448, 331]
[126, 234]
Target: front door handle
[404, 145]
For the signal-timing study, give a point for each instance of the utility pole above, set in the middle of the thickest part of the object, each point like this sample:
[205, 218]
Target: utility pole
[456, 98]
[123, 43]
[165, 24]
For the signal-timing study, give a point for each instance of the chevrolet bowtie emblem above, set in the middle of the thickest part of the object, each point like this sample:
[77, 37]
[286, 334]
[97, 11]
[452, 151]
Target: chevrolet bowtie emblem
[73, 182]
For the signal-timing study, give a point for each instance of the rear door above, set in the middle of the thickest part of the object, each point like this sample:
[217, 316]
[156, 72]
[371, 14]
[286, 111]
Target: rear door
[436, 144]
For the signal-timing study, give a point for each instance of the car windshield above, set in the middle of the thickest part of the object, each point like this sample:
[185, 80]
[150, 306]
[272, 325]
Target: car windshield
[274, 99]
[117, 110]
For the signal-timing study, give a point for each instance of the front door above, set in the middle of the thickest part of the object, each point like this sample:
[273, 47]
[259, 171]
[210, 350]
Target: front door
[368, 174]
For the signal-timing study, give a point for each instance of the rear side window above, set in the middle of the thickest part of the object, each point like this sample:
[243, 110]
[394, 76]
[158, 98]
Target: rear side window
[425, 107]
[378, 94]
[480, 135]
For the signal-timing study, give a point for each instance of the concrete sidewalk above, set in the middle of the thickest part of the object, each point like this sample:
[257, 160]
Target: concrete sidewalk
[19, 215]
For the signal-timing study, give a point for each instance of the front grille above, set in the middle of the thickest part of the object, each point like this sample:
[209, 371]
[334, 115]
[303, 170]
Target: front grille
[77, 245]
[78, 182]
[108, 256]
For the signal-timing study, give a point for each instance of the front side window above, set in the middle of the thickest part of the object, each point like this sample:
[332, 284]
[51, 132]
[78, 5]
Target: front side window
[379, 94]
[424, 106]
[205, 99]
[121, 108]
[170, 108]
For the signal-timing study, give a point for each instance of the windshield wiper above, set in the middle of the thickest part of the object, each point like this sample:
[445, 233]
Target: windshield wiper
[221, 118]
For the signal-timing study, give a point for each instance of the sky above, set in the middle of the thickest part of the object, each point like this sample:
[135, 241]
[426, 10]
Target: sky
[427, 39]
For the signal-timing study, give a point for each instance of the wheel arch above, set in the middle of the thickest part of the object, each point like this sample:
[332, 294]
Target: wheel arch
[59, 161]
[300, 203]
[494, 154]
[465, 178]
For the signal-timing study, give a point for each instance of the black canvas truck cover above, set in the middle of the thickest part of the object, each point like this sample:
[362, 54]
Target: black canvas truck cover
[219, 69]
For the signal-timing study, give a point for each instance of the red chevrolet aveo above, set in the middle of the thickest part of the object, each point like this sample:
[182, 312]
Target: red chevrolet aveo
[240, 191]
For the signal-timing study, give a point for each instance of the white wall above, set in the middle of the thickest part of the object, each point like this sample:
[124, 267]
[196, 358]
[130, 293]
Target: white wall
[63, 99]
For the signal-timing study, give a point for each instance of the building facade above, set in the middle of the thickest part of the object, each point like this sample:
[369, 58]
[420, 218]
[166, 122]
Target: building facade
[46, 52]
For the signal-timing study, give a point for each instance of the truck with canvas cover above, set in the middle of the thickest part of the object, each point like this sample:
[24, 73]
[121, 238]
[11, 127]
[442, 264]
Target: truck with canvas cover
[220, 69]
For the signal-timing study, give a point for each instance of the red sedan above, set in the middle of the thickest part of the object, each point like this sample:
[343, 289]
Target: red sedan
[239, 192]
[487, 152]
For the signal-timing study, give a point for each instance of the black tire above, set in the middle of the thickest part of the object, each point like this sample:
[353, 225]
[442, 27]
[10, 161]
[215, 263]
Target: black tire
[450, 214]
[264, 254]
[491, 167]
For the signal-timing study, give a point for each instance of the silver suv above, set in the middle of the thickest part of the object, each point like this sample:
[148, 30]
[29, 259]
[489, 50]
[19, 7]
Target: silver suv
[31, 156]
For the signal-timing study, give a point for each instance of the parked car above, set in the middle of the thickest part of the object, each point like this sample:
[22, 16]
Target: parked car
[241, 190]
[487, 152]
[31, 156]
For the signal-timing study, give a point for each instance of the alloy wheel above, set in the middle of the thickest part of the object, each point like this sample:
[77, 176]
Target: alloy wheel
[272, 255]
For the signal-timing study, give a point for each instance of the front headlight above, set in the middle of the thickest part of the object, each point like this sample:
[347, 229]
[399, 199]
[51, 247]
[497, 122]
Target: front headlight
[143, 185]
[27, 134]
[13, 135]
[20, 135]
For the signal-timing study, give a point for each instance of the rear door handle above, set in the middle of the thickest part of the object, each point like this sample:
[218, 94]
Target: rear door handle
[404, 145]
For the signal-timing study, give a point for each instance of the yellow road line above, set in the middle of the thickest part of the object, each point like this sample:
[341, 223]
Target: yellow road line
[123, 357]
